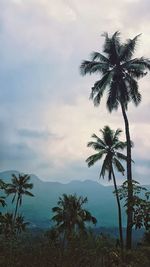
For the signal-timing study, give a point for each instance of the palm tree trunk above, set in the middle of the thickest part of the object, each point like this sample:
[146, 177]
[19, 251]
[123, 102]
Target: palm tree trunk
[119, 210]
[16, 209]
[63, 249]
[129, 178]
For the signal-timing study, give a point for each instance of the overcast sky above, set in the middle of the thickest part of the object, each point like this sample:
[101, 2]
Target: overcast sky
[46, 118]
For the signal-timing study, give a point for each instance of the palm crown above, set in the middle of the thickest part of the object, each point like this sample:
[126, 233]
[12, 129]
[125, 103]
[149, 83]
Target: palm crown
[20, 186]
[107, 147]
[70, 215]
[119, 72]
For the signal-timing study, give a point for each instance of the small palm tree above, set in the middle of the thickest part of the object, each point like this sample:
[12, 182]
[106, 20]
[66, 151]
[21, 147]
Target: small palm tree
[10, 229]
[6, 225]
[108, 147]
[70, 216]
[119, 78]
[20, 224]
[19, 187]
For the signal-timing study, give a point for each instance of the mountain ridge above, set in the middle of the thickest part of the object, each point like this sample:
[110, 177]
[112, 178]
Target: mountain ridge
[38, 210]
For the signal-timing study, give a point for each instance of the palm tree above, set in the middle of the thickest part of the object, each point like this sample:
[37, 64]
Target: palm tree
[20, 224]
[119, 74]
[6, 225]
[18, 188]
[70, 216]
[108, 147]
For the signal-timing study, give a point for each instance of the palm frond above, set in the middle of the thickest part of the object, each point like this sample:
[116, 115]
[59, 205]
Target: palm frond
[104, 167]
[100, 86]
[133, 89]
[99, 140]
[121, 156]
[119, 145]
[95, 145]
[112, 47]
[128, 49]
[118, 165]
[123, 93]
[27, 185]
[116, 135]
[139, 64]
[100, 57]
[94, 158]
[112, 100]
[107, 134]
[28, 193]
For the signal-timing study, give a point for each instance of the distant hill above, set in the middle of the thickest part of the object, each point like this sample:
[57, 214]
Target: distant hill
[37, 210]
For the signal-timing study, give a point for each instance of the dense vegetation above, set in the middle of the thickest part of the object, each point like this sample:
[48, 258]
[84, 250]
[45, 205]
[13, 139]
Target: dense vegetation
[90, 251]
[70, 242]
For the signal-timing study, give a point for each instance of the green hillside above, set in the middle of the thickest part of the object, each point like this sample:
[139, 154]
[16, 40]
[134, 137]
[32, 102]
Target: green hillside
[37, 210]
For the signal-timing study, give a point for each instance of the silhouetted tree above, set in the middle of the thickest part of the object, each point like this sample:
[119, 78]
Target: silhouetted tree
[20, 224]
[119, 74]
[108, 148]
[140, 204]
[19, 187]
[70, 216]
[6, 225]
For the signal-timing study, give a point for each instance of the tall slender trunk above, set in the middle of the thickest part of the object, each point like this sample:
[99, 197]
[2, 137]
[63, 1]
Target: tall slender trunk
[119, 210]
[63, 248]
[16, 209]
[129, 178]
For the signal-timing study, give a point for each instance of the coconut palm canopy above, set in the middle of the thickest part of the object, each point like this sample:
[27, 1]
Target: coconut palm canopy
[19, 187]
[108, 148]
[70, 215]
[119, 71]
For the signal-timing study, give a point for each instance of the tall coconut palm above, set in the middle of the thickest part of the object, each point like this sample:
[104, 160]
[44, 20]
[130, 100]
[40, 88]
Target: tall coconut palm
[70, 216]
[19, 187]
[108, 148]
[119, 74]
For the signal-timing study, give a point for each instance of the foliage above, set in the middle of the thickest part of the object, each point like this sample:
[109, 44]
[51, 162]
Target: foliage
[119, 74]
[19, 187]
[3, 187]
[10, 229]
[109, 147]
[140, 203]
[119, 71]
[70, 216]
[90, 251]
[13, 224]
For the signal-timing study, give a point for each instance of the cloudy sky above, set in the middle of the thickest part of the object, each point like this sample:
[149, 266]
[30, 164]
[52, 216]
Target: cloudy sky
[46, 118]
